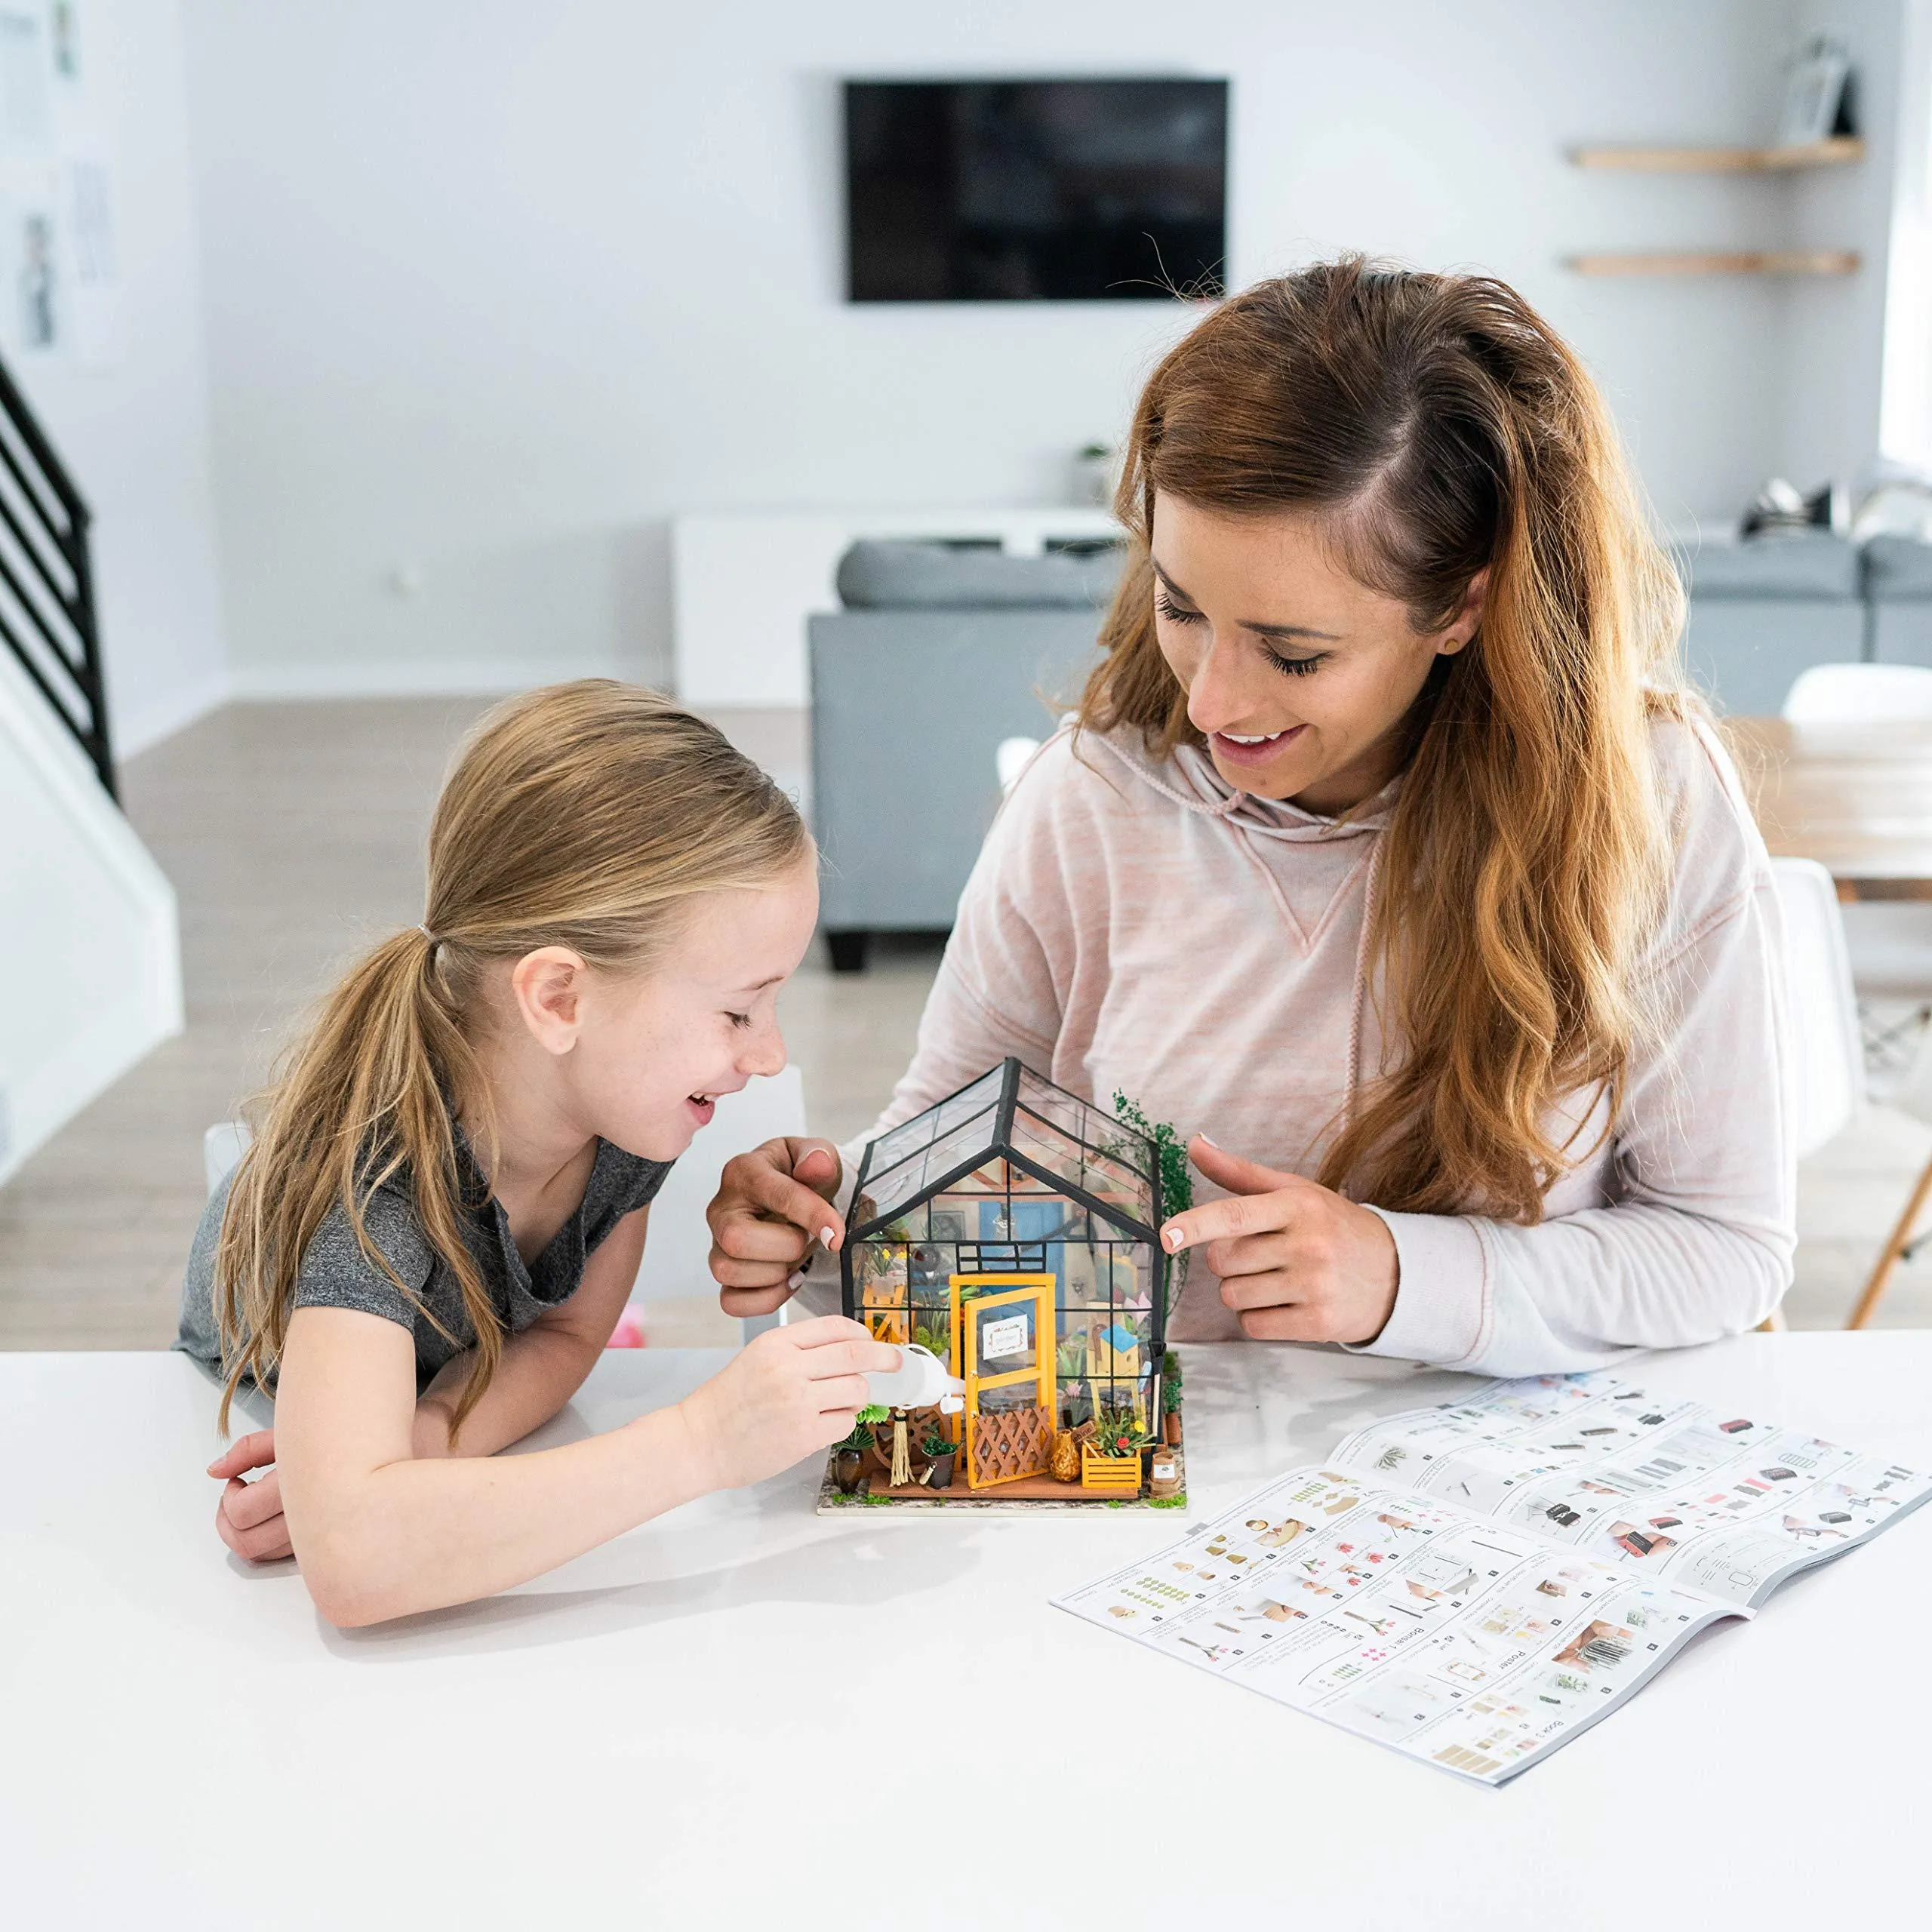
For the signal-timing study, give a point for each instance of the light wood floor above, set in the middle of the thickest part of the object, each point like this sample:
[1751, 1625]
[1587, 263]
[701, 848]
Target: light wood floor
[293, 833]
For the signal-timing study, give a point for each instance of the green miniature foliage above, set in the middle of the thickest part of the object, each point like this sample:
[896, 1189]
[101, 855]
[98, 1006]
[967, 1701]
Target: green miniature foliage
[1176, 1179]
[872, 1501]
[1070, 1357]
[1171, 1384]
[934, 1336]
[935, 1443]
[873, 1412]
[1116, 1433]
[861, 1423]
[1176, 1501]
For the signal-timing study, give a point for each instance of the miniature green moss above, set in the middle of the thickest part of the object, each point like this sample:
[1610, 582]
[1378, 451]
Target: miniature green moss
[875, 1502]
[1177, 1501]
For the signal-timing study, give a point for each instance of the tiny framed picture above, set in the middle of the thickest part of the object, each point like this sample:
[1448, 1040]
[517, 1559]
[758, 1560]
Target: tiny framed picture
[1818, 95]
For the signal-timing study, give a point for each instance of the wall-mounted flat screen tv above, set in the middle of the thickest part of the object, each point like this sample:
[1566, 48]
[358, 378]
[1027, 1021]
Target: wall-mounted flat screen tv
[1036, 190]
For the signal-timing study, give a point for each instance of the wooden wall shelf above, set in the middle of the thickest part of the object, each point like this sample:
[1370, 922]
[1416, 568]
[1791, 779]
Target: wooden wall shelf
[1776, 261]
[1836, 152]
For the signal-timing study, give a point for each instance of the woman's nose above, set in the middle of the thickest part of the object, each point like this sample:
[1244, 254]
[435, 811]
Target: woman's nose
[1215, 698]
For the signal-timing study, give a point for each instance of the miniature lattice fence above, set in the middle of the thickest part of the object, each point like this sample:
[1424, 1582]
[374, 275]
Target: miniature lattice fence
[1011, 1442]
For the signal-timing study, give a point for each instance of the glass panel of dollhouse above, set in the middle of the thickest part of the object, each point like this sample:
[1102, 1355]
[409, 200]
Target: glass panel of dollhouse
[1109, 1177]
[922, 1130]
[891, 1191]
[1002, 1337]
[1097, 1274]
[879, 1273]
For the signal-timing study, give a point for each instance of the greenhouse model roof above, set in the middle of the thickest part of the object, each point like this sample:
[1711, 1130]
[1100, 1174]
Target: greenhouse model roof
[1047, 1139]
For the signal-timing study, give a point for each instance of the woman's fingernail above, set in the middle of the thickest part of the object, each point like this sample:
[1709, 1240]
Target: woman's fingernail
[1171, 1240]
[796, 1281]
[1212, 1142]
[827, 1236]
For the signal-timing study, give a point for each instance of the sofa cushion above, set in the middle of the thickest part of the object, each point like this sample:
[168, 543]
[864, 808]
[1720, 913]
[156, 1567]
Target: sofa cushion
[1898, 569]
[1779, 563]
[877, 575]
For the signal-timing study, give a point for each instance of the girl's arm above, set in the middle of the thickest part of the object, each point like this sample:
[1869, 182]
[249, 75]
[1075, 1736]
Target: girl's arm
[543, 1367]
[382, 1532]
[541, 1370]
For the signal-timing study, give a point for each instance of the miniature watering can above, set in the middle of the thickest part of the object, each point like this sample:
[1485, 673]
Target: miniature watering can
[920, 1382]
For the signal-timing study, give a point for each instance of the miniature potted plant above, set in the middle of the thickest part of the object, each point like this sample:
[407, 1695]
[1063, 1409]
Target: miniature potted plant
[1110, 1457]
[938, 1446]
[849, 1461]
[1171, 1399]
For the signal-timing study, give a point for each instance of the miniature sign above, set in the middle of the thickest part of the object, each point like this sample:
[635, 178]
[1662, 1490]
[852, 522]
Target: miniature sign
[1000, 1341]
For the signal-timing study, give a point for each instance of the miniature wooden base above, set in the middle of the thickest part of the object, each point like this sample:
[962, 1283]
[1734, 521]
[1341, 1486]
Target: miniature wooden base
[1025, 1495]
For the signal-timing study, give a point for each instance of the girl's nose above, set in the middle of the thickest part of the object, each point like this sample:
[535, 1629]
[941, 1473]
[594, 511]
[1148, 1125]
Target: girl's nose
[764, 1053]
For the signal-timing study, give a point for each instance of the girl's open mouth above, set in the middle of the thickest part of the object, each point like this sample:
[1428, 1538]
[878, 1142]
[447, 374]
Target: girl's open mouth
[1239, 748]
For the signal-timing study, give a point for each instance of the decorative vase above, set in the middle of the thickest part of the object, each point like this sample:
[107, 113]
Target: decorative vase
[845, 1470]
[1065, 1465]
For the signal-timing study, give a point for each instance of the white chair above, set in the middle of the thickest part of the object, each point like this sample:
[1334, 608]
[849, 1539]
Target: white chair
[1827, 1073]
[677, 1255]
[1889, 941]
[1859, 694]
[1010, 758]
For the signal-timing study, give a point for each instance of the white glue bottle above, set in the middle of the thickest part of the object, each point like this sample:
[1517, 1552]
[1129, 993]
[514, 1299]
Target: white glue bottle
[920, 1382]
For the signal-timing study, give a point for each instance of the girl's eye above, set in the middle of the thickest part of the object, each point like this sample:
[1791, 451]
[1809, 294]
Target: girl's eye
[1296, 667]
[1164, 606]
[739, 1020]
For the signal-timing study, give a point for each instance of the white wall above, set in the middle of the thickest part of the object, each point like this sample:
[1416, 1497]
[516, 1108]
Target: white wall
[492, 289]
[1829, 386]
[133, 427]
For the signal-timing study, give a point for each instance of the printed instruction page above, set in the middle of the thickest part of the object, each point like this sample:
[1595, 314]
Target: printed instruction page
[1406, 1618]
[1676, 1491]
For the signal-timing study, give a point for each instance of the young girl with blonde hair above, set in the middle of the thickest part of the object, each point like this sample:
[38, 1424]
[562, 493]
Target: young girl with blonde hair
[440, 1217]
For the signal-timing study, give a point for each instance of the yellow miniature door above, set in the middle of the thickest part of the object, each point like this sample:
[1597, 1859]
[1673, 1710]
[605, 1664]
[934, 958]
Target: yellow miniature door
[1003, 1350]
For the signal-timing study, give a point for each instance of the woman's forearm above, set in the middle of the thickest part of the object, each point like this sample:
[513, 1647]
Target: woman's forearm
[418, 1534]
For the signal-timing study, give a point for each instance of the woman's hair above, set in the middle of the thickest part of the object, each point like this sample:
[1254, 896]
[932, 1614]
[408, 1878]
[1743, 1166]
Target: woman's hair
[1431, 427]
[588, 816]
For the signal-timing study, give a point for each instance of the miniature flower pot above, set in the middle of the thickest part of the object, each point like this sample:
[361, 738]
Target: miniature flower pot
[940, 1474]
[1163, 1473]
[1172, 1427]
[845, 1470]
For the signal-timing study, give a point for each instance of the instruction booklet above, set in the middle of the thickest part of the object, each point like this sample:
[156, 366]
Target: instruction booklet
[1473, 1584]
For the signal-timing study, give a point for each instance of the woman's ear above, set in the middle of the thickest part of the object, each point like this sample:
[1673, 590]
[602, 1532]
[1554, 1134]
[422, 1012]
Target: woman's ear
[548, 987]
[1468, 619]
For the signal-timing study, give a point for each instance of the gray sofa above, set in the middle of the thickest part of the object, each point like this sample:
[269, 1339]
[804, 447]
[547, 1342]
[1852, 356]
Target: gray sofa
[942, 651]
[939, 654]
[1766, 609]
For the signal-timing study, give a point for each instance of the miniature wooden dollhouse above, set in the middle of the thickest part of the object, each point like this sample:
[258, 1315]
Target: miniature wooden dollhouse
[1011, 1229]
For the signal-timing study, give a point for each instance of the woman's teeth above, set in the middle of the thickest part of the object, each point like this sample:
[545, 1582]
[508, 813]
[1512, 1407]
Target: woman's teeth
[1266, 738]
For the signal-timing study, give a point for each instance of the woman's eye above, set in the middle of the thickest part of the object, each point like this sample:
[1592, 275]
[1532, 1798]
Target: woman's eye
[1164, 606]
[1296, 667]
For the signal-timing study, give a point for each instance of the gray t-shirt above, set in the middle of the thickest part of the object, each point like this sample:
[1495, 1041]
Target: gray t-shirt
[335, 1272]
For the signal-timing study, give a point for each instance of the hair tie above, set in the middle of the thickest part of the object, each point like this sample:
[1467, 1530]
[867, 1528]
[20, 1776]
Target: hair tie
[429, 935]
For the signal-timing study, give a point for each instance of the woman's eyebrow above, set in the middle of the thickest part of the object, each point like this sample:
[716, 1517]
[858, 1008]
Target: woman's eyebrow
[1250, 623]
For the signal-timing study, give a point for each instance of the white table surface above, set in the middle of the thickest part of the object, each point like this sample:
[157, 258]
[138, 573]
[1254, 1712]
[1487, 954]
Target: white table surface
[746, 1713]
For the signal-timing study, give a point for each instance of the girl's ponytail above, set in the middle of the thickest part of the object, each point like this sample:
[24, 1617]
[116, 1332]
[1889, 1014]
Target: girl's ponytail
[582, 816]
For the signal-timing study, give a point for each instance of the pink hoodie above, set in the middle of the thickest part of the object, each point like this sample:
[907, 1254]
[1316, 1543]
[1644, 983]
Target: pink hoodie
[1137, 927]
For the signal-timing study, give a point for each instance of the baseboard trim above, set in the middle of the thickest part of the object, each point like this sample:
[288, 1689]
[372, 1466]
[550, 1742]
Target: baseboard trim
[142, 726]
[424, 677]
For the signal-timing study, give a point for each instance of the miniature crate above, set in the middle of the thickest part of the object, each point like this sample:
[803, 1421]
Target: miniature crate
[1110, 1475]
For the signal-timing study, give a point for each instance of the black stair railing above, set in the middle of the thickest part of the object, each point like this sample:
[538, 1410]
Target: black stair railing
[47, 612]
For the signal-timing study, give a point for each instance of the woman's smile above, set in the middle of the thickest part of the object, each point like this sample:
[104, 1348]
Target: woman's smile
[1261, 747]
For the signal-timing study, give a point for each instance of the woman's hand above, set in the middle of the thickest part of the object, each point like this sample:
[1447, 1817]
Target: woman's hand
[785, 1393]
[248, 1518]
[771, 1205]
[1296, 1262]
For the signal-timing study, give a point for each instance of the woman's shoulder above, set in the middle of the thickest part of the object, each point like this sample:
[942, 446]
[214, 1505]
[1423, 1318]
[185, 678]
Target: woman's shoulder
[1079, 772]
[1718, 855]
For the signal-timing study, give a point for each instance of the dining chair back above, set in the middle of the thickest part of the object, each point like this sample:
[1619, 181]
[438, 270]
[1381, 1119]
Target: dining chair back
[1859, 694]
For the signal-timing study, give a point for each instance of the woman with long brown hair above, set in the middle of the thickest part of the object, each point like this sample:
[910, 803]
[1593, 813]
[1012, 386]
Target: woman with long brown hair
[1386, 852]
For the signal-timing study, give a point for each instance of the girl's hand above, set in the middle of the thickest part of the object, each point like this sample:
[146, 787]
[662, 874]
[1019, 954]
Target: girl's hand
[248, 1518]
[771, 1205]
[1296, 1262]
[785, 1393]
